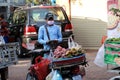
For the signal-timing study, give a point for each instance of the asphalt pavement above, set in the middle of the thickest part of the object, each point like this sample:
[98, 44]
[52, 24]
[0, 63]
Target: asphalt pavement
[93, 72]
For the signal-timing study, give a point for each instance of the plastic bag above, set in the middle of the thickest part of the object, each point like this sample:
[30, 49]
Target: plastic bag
[112, 52]
[50, 56]
[42, 67]
[73, 44]
[50, 75]
[56, 76]
[99, 60]
[77, 77]
[2, 40]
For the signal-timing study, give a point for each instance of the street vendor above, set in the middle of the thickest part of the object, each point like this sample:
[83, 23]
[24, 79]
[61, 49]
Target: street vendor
[48, 32]
[3, 28]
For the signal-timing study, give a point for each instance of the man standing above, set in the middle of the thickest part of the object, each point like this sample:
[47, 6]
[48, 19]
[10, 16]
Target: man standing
[54, 32]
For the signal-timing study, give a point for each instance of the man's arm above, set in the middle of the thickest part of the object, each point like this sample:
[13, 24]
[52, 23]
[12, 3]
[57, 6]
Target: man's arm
[59, 35]
[41, 35]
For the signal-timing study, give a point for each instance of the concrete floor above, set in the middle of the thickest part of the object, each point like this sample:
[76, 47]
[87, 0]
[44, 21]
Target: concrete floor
[94, 72]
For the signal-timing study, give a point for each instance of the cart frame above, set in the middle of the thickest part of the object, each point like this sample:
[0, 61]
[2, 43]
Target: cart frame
[8, 56]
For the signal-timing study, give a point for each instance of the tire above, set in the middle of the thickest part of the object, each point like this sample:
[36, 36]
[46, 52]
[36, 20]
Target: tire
[31, 76]
[20, 53]
[82, 71]
[115, 78]
[4, 73]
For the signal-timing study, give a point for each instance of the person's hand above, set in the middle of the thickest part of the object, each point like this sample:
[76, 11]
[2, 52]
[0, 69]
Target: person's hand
[52, 41]
[56, 41]
[48, 42]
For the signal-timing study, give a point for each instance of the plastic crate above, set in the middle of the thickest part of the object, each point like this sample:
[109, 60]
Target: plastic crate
[8, 54]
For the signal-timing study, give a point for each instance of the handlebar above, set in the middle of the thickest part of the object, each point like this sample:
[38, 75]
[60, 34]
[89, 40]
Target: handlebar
[52, 42]
[38, 51]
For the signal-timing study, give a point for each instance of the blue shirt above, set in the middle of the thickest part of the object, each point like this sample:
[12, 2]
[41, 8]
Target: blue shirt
[54, 33]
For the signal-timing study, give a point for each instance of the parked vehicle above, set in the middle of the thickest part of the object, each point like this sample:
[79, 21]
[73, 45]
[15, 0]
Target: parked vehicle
[8, 56]
[27, 20]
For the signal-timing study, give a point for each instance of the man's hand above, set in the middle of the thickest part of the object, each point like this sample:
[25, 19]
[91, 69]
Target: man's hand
[48, 42]
[52, 42]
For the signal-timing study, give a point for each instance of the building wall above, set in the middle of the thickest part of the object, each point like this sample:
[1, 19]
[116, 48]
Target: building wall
[88, 33]
[66, 5]
[89, 18]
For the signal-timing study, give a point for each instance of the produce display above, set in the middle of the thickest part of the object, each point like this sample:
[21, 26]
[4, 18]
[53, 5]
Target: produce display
[67, 53]
[113, 40]
[112, 51]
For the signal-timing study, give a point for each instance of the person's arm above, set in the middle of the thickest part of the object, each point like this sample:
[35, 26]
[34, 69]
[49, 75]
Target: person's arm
[41, 35]
[59, 35]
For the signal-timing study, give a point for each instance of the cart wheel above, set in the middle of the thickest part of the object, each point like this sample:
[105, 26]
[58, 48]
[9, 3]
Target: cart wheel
[115, 78]
[31, 76]
[82, 71]
[4, 73]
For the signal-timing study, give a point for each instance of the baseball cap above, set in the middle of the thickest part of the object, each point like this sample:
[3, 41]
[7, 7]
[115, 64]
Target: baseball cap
[49, 16]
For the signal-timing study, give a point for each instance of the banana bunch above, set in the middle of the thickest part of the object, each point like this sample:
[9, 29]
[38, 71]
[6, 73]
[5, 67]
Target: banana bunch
[113, 41]
[74, 52]
[60, 52]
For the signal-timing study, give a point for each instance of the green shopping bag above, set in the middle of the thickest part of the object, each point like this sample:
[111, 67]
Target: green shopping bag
[109, 58]
[112, 49]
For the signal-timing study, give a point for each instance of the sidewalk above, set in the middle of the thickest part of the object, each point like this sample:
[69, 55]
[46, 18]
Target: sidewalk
[94, 72]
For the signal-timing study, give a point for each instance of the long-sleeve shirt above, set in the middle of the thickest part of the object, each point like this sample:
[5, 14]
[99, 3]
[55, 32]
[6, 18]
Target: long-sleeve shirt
[3, 28]
[54, 33]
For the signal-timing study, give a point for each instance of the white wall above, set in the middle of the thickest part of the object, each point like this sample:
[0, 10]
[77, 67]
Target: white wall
[90, 8]
[89, 18]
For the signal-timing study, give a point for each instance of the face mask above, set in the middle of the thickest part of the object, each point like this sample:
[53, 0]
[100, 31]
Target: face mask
[50, 22]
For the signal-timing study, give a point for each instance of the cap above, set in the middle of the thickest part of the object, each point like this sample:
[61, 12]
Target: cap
[49, 16]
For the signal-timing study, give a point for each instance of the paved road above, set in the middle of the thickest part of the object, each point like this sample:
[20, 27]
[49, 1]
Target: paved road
[19, 71]
[93, 72]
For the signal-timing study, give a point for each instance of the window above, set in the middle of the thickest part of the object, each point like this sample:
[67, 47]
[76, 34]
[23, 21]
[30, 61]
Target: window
[39, 14]
[22, 17]
[19, 17]
[15, 18]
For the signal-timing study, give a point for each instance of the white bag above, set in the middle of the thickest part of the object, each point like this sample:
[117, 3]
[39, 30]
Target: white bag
[73, 44]
[2, 40]
[99, 60]
[30, 46]
[50, 75]
[56, 76]
[77, 77]
[50, 56]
